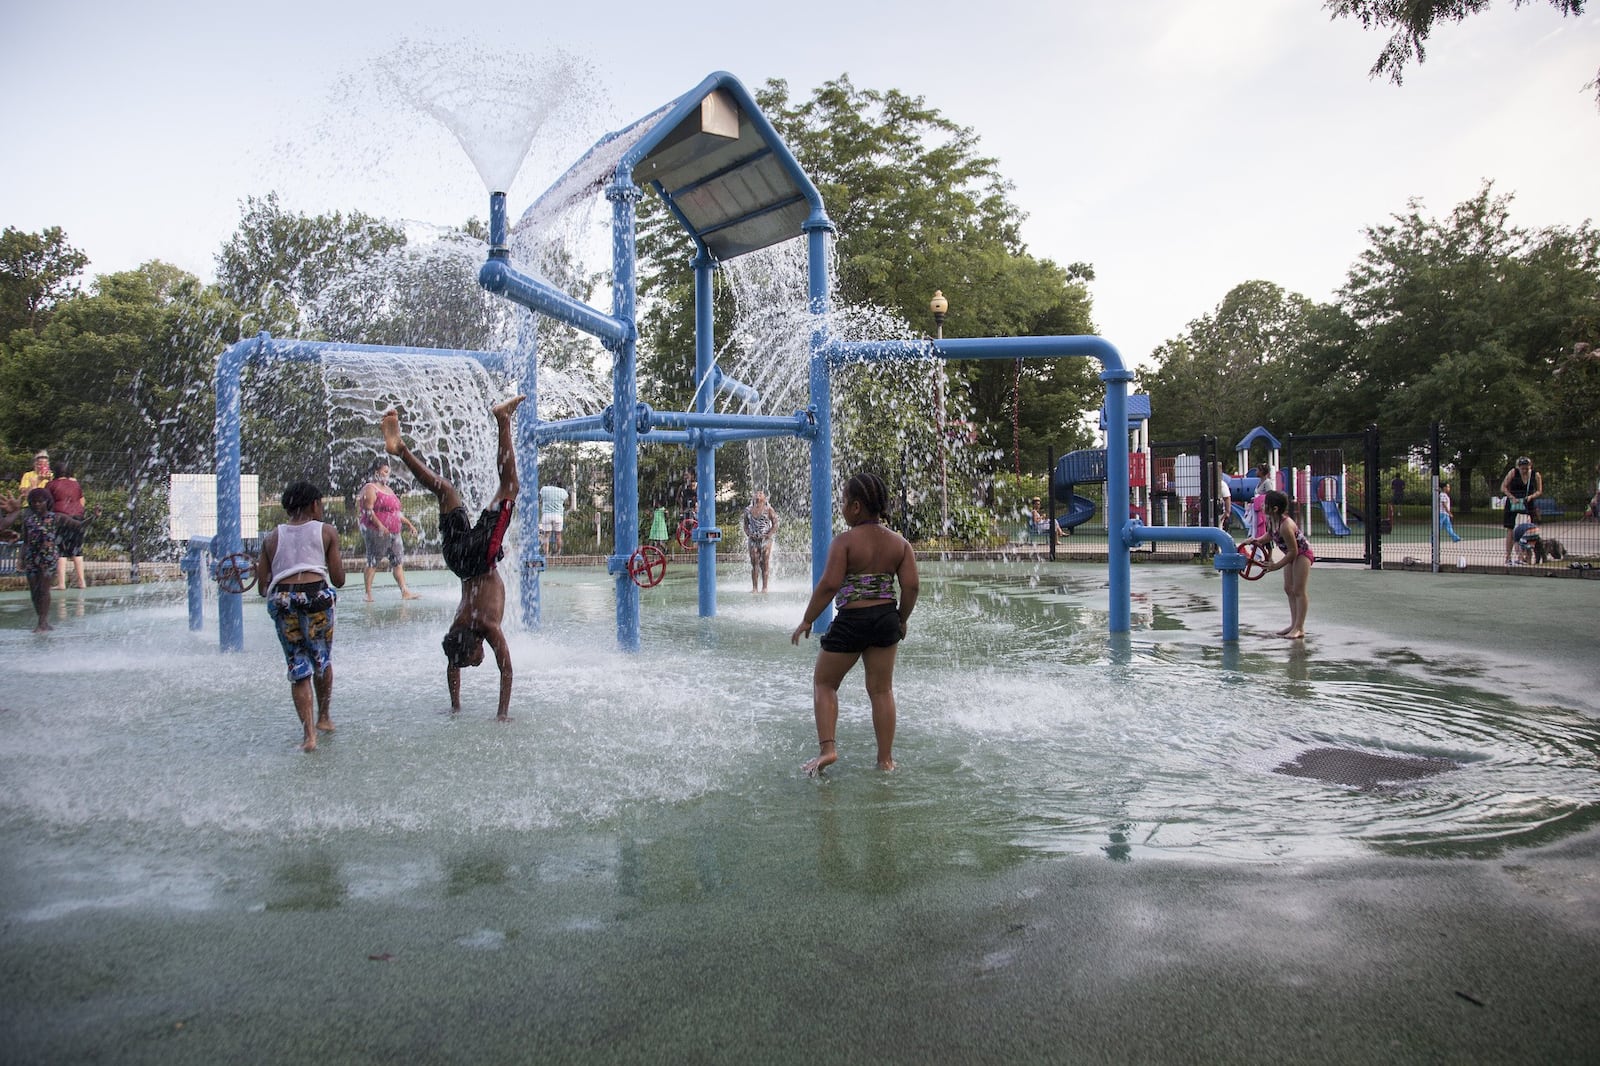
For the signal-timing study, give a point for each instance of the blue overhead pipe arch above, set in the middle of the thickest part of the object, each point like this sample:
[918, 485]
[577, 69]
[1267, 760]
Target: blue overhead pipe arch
[229, 467]
[694, 173]
[734, 186]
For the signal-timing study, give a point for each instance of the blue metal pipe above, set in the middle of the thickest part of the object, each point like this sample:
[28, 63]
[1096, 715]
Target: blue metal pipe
[230, 605]
[624, 397]
[193, 566]
[499, 229]
[563, 429]
[705, 455]
[1119, 562]
[795, 423]
[529, 594]
[501, 278]
[298, 351]
[1228, 560]
[1081, 345]
[745, 394]
[817, 228]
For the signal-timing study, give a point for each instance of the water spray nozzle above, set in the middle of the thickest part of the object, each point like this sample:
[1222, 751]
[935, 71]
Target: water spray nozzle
[498, 230]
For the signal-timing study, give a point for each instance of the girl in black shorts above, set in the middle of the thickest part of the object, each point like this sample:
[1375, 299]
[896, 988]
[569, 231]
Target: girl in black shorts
[864, 564]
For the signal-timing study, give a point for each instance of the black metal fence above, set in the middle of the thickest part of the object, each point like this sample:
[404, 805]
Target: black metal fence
[1381, 499]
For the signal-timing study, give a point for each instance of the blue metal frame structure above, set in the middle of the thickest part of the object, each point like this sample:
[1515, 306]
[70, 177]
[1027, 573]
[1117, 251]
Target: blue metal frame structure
[732, 183]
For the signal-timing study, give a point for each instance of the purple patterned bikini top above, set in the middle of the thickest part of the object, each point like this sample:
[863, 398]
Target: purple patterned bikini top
[858, 587]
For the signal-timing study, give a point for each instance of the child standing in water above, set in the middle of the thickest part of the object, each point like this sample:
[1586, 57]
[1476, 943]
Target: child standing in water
[1295, 560]
[864, 562]
[39, 554]
[300, 572]
[471, 551]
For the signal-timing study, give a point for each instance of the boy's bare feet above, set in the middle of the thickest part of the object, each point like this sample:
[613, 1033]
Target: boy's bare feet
[389, 424]
[325, 725]
[411, 595]
[310, 743]
[829, 756]
[503, 410]
[502, 718]
[886, 765]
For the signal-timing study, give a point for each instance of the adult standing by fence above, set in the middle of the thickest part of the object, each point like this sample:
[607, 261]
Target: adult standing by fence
[66, 496]
[381, 518]
[1521, 486]
[39, 476]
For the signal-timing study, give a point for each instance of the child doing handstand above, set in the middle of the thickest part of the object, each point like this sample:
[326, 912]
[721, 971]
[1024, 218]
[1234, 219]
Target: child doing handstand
[1295, 561]
[471, 552]
[864, 562]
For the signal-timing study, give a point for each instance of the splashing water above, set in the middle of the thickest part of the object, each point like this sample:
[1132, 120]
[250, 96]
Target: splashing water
[444, 413]
[493, 103]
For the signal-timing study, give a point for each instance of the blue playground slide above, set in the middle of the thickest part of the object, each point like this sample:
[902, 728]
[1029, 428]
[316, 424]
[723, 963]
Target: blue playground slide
[1330, 515]
[1079, 510]
[1241, 516]
[1084, 467]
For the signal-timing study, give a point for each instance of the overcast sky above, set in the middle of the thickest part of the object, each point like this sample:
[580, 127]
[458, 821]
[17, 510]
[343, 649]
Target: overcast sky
[1179, 147]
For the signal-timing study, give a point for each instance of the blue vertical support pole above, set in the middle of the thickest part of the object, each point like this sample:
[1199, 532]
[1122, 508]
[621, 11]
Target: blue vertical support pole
[527, 449]
[1118, 558]
[230, 605]
[705, 456]
[817, 228]
[524, 443]
[623, 194]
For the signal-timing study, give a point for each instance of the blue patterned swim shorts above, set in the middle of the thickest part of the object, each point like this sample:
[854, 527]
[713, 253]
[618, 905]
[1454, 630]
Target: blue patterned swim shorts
[303, 616]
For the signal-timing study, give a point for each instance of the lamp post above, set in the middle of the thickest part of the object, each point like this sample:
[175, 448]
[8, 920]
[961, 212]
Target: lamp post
[940, 306]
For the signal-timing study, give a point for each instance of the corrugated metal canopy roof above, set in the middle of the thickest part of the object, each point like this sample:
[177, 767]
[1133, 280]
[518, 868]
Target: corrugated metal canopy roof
[727, 178]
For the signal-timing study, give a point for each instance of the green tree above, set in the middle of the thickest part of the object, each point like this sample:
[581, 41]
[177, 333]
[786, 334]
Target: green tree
[1412, 21]
[37, 271]
[1234, 368]
[278, 264]
[124, 370]
[1466, 320]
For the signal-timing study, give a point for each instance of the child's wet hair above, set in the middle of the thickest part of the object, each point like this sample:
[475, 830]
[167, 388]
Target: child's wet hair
[460, 645]
[299, 496]
[870, 491]
[1276, 500]
[40, 496]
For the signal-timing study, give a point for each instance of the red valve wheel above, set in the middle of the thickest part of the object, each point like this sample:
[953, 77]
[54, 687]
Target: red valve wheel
[686, 530]
[1255, 562]
[236, 573]
[647, 566]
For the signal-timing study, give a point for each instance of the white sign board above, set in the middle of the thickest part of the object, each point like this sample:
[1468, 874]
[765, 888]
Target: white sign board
[192, 506]
[1187, 472]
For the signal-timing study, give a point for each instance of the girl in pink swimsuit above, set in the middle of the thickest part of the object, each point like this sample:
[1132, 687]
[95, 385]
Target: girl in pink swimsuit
[1294, 559]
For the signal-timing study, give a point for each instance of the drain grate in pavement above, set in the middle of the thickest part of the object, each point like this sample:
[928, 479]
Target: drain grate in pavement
[1363, 769]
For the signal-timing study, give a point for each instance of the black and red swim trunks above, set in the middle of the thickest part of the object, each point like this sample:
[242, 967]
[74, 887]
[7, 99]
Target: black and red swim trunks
[471, 551]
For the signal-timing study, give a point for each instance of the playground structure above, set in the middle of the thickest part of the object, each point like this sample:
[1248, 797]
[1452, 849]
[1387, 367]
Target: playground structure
[734, 187]
[1088, 466]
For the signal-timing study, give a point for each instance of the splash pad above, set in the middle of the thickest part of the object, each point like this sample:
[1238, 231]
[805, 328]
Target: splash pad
[635, 862]
[1094, 844]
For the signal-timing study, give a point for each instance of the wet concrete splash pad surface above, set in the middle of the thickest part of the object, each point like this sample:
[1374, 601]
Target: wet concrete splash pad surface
[633, 871]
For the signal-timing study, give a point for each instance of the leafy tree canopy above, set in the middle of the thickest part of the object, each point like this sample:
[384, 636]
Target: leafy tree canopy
[37, 271]
[1413, 20]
